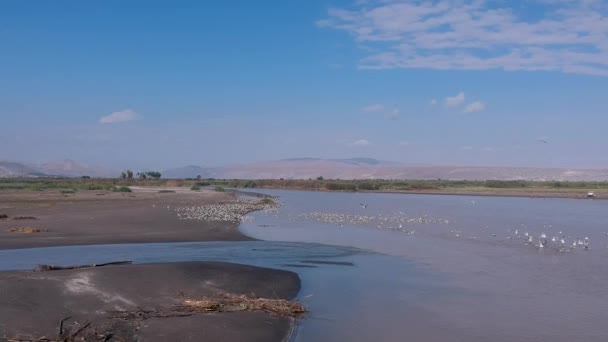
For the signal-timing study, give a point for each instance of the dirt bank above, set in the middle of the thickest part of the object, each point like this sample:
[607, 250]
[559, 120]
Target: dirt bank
[101, 217]
[134, 303]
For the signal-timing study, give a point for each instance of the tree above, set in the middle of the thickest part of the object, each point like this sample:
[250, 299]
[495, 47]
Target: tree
[198, 177]
[129, 174]
[153, 174]
[320, 178]
[123, 175]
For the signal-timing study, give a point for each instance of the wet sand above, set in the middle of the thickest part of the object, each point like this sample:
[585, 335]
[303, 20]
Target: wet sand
[129, 302]
[99, 217]
[32, 304]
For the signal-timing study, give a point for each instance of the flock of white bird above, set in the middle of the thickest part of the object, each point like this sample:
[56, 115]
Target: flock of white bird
[226, 212]
[237, 212]
[384, 222]
[560, 241]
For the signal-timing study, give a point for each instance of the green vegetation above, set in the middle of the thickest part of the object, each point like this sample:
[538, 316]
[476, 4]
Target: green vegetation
[266, 200]
[166, 191]
[437, 185]
[149, 174]
[69, 191]
[70, 185]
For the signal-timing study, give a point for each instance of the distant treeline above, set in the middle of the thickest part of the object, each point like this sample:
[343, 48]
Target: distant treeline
[86, 183]
[397, 185]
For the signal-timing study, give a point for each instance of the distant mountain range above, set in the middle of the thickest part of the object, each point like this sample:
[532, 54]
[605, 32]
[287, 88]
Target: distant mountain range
[304, 168]
[56, 168]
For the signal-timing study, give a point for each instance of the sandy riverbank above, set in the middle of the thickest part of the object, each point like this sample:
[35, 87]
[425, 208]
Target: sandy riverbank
[32, 304]
[101, 217]
[134, 303]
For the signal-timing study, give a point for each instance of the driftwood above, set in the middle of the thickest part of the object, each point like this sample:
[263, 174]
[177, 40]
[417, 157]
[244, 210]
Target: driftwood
[228, 302]
[28, 230]
[16, 218]
[44, 268]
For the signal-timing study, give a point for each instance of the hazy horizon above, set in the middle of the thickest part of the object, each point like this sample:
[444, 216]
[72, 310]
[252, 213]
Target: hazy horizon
[153, 85]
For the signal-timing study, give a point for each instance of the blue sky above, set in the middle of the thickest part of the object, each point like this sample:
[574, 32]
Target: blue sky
[155, 84]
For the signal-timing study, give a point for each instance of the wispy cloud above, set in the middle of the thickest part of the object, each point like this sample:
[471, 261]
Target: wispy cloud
[404, 143]
[121, 116]
[475, 107]
[455, 101]
[466, 148]
[543, 139]
[569, 36]
[393, 114]
[361, 143]
[433, 102]
[373, 108]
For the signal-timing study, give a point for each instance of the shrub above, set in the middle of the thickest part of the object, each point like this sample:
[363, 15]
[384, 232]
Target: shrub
[341, 187]
[195, 188]
[368, 186]
[219, 188]
[505, 184]
[266, 200]
[95, 187]
[121, 189]
[166, 191]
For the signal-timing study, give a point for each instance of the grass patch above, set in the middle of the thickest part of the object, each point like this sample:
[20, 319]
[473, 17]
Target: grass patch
[70, 191]
[195, 188]
[166, 191]
[266, 200]
[121, 189]
[219, 188]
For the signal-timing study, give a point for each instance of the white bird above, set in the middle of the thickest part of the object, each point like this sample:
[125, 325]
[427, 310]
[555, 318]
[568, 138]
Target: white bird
[363, 205]
[543, 236]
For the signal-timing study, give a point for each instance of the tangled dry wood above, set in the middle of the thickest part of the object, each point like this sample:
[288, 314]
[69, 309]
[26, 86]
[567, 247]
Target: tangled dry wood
[28, 230]
[227, 302]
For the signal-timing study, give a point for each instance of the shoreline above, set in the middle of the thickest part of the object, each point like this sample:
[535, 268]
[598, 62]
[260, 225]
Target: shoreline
[493, 193]
[98, 218]
[129, 303]
[90, 218]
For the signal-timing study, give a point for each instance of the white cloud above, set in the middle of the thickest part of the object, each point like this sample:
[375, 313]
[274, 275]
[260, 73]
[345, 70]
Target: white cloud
[373, 108]
[404, 143]
[393, 115]
[361, 142]
[488, 149]
[466, 148]
[121, 116]
[567, 36]
[433, 102]
[455, 101]
[475, 107]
